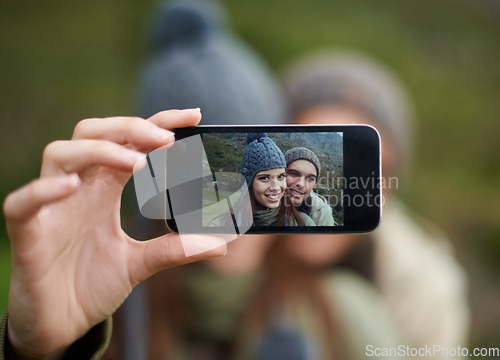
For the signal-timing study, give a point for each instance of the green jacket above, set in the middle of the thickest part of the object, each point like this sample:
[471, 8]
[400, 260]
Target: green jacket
[90, 347]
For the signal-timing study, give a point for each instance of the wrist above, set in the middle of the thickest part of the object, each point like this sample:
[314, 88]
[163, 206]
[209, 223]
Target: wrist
[14, 349]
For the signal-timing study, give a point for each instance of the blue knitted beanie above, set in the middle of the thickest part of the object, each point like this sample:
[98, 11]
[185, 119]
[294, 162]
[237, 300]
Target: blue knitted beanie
[260, 154]
[197, 61]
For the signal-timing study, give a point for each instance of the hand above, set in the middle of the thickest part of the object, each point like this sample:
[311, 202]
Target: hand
[72, 264]
[321, 250]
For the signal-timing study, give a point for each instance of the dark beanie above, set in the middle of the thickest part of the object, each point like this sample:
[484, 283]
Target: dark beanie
[260, 154]
[197, 62]
[302, 153]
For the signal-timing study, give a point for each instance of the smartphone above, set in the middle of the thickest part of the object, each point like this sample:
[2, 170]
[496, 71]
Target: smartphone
[265, 179]
[270, 179]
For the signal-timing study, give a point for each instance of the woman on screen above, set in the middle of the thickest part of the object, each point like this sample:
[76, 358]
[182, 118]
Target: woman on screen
[264, 168]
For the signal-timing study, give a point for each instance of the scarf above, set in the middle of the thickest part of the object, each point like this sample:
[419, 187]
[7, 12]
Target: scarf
[266, 217]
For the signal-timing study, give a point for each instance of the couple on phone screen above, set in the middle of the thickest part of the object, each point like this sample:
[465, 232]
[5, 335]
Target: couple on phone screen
[280, 185]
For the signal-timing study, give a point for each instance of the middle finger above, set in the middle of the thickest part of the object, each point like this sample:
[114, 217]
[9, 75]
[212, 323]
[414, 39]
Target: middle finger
[140, 133]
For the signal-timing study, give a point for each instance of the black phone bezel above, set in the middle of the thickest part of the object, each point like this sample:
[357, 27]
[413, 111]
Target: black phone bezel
[362, 160]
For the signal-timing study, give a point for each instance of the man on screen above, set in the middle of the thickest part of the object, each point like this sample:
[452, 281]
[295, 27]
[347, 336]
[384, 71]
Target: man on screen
[302, 172]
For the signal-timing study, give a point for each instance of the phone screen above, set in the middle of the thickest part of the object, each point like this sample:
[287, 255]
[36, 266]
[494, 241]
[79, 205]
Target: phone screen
[269, 179]
[313, 178]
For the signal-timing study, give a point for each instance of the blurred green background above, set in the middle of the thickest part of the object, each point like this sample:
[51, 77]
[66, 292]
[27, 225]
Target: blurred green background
[63, 61]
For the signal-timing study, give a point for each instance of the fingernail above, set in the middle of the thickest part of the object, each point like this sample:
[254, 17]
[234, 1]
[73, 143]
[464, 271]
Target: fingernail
[225, 252]
[192, 112]
[163, 134]
[73, 179]
[134, 155]
[69, 181]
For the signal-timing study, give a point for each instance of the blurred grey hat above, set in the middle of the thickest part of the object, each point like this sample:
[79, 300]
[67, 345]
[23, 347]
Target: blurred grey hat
[357, 82]
[302, 153]
[260, 154]
[197, 62]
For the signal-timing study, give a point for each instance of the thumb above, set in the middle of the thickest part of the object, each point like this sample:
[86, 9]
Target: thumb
[148, 257]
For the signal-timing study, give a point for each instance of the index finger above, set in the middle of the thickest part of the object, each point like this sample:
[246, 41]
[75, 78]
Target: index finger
[171, 119]
[135, 131]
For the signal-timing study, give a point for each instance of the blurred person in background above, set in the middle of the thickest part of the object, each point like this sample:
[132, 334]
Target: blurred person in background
[259, 301]
[408, 259]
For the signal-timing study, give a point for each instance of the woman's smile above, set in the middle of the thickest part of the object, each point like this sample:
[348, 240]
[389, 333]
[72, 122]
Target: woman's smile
[269, 187]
